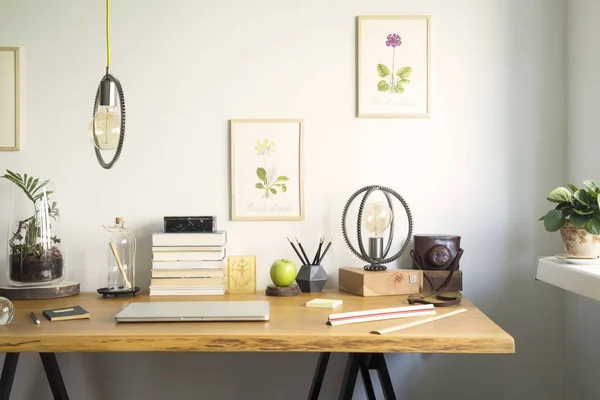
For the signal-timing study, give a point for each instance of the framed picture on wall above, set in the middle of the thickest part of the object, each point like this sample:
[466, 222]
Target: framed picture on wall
[266, 169]
[393, 66]
[9, 99]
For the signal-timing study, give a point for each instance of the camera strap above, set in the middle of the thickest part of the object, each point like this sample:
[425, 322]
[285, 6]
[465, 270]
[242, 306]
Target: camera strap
[443, 301]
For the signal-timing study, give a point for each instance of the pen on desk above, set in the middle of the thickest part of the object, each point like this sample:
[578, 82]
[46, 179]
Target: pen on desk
[34, 318]
[306, 261]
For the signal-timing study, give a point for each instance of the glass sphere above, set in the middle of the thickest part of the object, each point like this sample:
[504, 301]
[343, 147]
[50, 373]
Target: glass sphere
[377, 217]
[7, 311]
[107, 123]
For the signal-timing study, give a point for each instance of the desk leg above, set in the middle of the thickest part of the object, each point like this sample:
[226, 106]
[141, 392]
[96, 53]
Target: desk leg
[54, 376]
[350, 375]
[8, 374]
[378, 363]
[366, 376]
[315, 387]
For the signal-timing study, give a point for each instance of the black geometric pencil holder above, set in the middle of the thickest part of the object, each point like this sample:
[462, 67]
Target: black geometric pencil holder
[311, 278]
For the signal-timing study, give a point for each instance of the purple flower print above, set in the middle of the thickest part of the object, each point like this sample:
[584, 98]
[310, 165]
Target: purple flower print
[393, 39]
[393, 81]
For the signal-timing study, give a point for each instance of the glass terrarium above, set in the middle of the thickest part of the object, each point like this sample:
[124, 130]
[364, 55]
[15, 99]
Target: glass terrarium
[121, 252]
[34, 254]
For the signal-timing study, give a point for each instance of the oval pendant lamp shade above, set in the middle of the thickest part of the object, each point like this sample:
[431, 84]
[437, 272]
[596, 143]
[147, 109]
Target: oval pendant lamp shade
[107, 128]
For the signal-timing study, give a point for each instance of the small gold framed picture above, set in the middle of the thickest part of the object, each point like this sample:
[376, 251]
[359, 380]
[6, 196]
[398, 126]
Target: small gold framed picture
[241, 274]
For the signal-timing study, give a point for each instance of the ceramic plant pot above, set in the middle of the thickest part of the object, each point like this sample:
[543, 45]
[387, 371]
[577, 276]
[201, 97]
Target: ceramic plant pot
[580, 243]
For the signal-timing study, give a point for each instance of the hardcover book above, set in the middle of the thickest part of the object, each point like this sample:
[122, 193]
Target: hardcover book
[217, 238]
[190, 224]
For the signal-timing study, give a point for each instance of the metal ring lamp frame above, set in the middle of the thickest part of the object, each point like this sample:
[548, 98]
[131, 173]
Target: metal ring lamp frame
[109, 77]
[363, 254]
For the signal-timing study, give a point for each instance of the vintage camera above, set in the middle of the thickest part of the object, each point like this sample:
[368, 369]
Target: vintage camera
[436, 252]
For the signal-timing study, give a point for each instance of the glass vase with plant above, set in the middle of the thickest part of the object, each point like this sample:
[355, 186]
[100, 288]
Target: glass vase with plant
[34, 255]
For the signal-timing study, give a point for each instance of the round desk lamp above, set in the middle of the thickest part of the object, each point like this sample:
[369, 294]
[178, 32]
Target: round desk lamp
[107, 128]
[377, 217]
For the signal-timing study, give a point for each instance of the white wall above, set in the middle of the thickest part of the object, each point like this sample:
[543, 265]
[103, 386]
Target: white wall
[582, 315]
[479, 167]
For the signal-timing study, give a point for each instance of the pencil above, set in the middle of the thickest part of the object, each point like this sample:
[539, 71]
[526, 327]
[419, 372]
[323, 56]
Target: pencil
[325, 252]
[296, 250]
[423, 321]
[303, 252]
[318, 253]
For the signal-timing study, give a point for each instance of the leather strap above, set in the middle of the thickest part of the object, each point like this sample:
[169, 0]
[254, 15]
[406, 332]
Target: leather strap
[443, 301]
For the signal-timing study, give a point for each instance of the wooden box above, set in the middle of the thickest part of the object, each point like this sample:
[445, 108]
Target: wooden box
[380, 283]
[438, 277]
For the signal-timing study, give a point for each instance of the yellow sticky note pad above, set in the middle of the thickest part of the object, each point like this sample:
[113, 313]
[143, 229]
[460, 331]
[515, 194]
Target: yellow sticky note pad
[324, 303]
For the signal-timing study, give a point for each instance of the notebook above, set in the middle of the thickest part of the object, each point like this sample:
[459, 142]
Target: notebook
[66, 313]
[182, 311]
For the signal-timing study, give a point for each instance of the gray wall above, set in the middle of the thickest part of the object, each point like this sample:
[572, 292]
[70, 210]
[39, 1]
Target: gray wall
[479, 167]
[582, 315]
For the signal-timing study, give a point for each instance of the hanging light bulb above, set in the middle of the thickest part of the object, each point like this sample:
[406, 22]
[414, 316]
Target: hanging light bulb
[107, 127]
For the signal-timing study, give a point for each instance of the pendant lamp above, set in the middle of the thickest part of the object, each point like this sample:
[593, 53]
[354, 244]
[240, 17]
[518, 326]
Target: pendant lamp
[107, 128]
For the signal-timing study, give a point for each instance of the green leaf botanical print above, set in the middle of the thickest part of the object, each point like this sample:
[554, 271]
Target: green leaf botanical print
[383, 70]
[383, 86]
[270, 180]
[262, 174]
[393, 84]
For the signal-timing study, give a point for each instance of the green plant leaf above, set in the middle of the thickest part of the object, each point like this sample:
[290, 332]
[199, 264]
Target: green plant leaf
[283, 188]
[282, 178]
[398, 88]
[403, 81]
[262, 174]
[578, 211]
[404, 72]
[572, 187]
[274, 191]
[583, 197]
[383, 86]
[562, 206]
[259, 186]
[559, 195]
[592, 188]
[382, 70]
[593, 225]
[554, 220]
[579, 220]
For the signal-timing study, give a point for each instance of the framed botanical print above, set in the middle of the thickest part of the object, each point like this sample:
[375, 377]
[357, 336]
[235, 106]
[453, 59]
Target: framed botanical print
[9, 99]
[393, 66]
[266, 169]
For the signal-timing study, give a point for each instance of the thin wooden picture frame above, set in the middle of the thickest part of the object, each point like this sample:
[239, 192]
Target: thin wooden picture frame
[260, 189]
[10, 141]
[381, 95]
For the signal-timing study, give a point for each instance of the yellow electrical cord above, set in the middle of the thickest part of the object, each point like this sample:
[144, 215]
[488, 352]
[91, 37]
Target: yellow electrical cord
[108, 33]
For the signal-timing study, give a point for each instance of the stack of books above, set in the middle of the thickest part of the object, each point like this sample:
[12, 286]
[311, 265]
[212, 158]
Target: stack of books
[188, 263]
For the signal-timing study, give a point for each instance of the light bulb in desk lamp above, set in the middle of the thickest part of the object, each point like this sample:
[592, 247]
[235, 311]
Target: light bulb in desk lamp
[377, 217]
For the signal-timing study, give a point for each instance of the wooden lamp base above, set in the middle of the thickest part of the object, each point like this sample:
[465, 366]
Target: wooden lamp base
[283, 291]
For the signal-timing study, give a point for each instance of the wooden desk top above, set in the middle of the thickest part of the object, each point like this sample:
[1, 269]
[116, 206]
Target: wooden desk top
[292, 328]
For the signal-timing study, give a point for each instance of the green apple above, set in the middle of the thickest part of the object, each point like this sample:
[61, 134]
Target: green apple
[283, 272]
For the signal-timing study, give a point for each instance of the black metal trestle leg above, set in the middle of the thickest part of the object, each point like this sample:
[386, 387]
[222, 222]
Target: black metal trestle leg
[57, 385]
[363, 362]
[317, 382]
[8, 374]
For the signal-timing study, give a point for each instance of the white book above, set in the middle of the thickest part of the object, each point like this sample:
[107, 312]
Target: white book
[165, 264]
[217, 238]
[380, 314]
[188, 273]
[209, 254]
[179, 292]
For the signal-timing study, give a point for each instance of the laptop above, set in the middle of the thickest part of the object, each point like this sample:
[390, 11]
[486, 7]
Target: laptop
[182, 311]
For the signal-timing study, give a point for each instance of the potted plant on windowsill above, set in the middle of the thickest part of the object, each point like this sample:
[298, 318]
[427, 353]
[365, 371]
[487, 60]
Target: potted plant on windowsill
[34, 255]
[577, 216]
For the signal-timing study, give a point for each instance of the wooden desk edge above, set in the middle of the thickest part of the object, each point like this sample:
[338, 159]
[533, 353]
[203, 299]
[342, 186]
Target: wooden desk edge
[379, 344]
